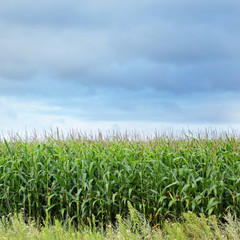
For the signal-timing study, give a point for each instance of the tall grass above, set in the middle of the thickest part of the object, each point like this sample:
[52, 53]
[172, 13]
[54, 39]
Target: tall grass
[77, 177]
[132, 227]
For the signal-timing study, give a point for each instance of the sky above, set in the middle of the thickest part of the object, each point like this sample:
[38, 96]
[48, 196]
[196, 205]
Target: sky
[119, 64]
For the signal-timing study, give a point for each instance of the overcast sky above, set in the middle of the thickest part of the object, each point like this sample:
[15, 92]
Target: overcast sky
[116, 64]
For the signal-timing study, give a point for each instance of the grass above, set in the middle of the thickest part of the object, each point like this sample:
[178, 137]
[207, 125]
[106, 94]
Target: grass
[81, 176]
[133, 227]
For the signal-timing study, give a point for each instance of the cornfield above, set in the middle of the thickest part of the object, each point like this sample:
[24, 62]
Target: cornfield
[77, 177]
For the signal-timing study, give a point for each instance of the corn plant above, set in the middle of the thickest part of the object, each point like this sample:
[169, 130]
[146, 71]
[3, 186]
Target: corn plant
[78, 177]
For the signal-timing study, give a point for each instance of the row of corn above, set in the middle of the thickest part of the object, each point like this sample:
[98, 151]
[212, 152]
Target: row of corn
[78, 178]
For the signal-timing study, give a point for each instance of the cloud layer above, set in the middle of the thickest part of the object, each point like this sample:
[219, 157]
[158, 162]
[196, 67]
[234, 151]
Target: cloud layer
[153, 61]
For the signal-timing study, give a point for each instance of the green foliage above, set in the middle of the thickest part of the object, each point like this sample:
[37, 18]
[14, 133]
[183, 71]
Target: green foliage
[77, 178]
[190, 227]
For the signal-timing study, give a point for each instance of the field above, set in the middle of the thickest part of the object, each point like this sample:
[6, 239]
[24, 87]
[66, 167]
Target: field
[81, 178]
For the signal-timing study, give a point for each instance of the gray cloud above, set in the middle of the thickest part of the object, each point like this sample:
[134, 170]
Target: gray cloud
[122, 60]
[111, 13]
